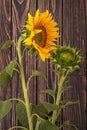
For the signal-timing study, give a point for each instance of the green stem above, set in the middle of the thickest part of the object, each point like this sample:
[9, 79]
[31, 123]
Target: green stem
[24, 85]
[58, 98]
[20, 127]
[16, 99]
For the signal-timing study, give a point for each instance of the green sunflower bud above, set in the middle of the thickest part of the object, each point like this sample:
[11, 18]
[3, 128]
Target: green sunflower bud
[67, 58]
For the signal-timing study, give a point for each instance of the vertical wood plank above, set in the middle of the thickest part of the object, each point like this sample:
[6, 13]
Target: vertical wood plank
[5, 34]
[74, 33]
[18, 8]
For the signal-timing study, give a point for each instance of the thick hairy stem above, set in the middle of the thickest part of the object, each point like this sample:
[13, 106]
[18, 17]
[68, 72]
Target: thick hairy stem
[58, 98]
[24, 86]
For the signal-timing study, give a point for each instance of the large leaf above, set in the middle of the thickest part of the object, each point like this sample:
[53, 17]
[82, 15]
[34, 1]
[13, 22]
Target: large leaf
[4, 78]
[21, 114]
[44, 109]
[40, 110]
[7, 74]
[49, 106]
[50, 92]
[7, 44]
[68, 123]
[5, 107]
[44, 125]
[10, 68]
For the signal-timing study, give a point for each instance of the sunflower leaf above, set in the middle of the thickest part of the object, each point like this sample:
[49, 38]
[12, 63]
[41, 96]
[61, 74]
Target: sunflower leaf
[21, 114]
[50, 92]
[49, 106]
[66, 103]
[10, 68]
[7, 74]
[44, 125]
[4, 79]
[5, 107]
[38, 73]
[7, 44]
[68, 123]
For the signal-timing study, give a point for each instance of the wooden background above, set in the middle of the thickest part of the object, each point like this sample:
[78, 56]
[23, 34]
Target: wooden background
[71, 16]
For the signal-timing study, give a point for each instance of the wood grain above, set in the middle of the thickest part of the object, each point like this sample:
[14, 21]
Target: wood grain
[71, 16]
[74, 33]
[5, 34]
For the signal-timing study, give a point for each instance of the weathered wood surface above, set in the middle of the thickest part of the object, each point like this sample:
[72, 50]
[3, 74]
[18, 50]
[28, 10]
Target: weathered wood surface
[71, 16]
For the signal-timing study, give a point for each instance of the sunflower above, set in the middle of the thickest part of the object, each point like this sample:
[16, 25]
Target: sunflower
[43, 33]
[67, 58]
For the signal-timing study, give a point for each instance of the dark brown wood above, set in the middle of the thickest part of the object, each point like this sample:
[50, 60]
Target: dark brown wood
[71, 16]
[74, 33]
[5, 56]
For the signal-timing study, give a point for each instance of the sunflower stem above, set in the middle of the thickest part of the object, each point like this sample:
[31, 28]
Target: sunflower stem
[24, 85]
[59, 94]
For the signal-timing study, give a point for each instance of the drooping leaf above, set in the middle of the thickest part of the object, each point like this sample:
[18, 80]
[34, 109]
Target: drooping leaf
[68, 123]
[66, 103]
[49, 106]
[50, 92]
[44, 125]
[40, 110]
[7, 44]
[5, 107]
[21, 114]
[65, 88]
[4, 79]
[10, 68]
[38, 73]
[7, 74]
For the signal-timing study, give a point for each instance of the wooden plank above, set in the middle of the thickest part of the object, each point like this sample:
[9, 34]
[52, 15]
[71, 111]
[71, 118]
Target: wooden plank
[5, 34]
[74, 33]
[20, 10]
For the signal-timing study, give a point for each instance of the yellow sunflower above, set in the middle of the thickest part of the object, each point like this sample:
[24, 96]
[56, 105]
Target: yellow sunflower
[44, 33]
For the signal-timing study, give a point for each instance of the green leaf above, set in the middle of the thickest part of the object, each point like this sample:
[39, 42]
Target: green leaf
[38, 73]
[21, 114]
[49, 106]
[7, 74]
[40, 110]
[10, 68]
[66, 103]
[5, 107]
[68, 123]
[7, 44]
[50, 92]
[44, 125]
[4, 79]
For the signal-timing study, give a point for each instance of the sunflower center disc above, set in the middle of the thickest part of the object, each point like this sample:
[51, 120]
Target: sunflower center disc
[41, 37]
